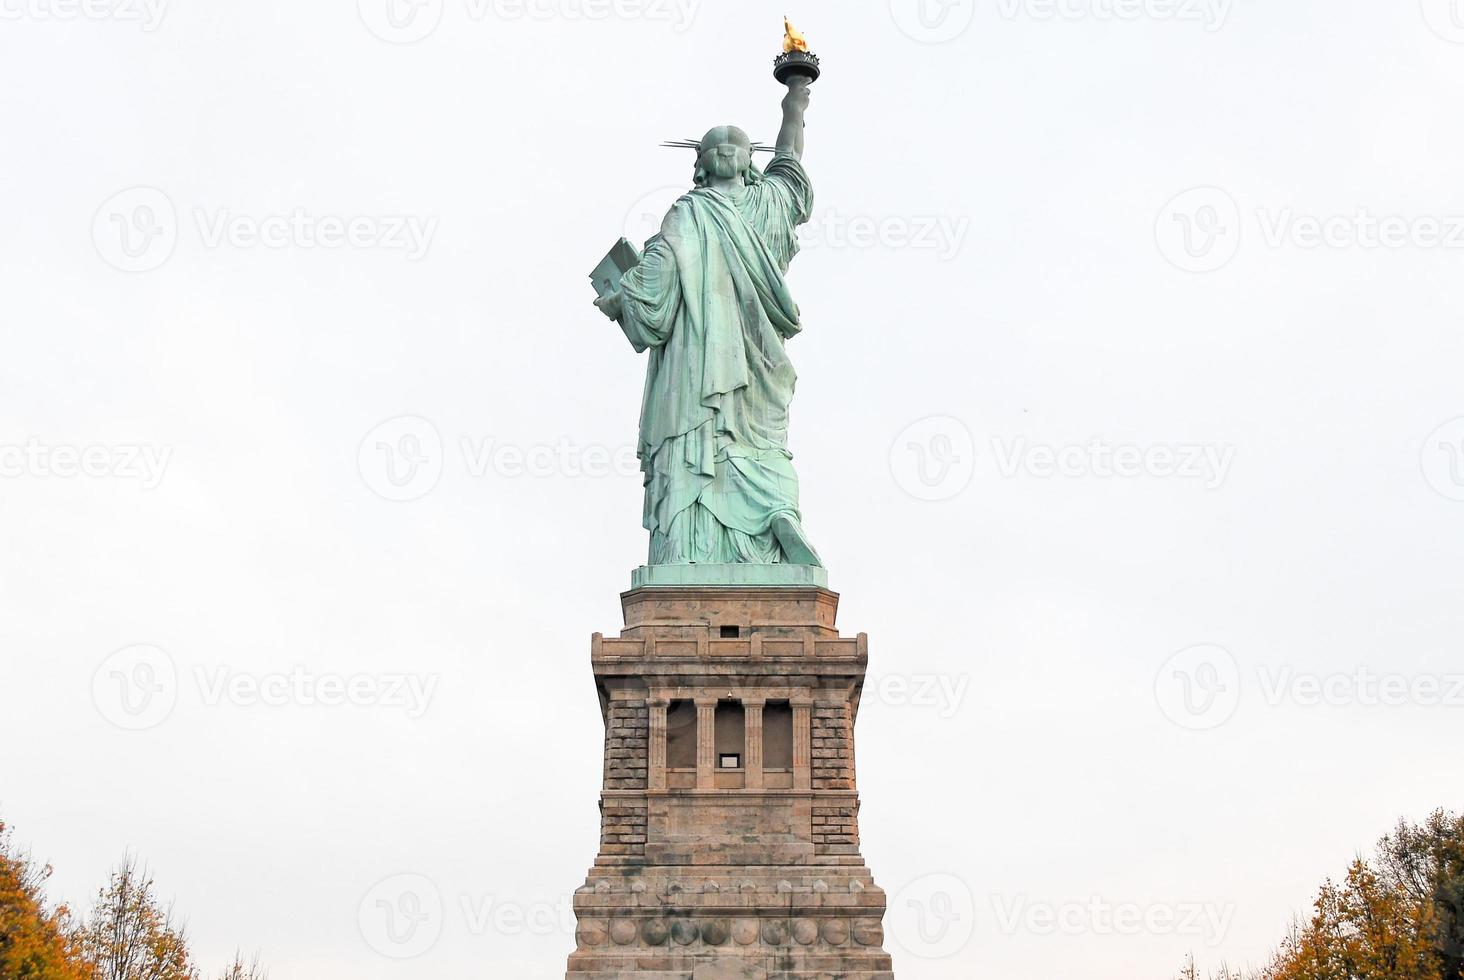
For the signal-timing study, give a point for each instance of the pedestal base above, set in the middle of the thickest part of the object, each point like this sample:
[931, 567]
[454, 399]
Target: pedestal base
[729, 818]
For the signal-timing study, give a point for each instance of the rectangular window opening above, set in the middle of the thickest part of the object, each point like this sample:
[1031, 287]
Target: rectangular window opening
[731, 733]
[778, 735]
[681, 735]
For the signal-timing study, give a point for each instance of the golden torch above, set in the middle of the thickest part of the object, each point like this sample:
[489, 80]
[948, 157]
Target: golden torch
[796, 61]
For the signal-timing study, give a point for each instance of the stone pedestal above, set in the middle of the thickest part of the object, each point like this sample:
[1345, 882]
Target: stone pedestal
[729, 818]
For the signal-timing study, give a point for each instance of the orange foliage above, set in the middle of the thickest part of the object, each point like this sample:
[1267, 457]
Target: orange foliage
[34, 943]
[1398, 917]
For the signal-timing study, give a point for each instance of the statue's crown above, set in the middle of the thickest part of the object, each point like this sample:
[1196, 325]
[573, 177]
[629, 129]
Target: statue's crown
[696, 145]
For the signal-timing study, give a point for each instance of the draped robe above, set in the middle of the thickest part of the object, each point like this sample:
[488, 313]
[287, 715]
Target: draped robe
[710, 303]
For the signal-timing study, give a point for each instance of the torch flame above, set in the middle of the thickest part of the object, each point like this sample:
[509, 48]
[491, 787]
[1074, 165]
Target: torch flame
[793, 41]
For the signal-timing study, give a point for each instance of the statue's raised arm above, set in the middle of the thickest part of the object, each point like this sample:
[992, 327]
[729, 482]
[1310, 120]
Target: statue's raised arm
[795, 105]
[796, 68]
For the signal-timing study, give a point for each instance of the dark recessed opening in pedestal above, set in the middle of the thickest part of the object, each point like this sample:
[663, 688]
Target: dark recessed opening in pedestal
[778, 735]
[731, 730]
[731, 632]
[681, 735]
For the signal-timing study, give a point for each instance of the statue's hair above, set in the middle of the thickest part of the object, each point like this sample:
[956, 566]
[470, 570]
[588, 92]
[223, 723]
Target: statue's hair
[699, 174]
[750, 175]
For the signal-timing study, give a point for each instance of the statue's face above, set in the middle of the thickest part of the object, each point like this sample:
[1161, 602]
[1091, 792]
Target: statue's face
[725, 152]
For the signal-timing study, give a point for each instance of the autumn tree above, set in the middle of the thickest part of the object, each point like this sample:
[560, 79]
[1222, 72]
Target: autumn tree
[1397, 916]
[34, 943]
[1426, 862]
[240, 970]
[1363, 929]
[1191, 972]
[130, 935]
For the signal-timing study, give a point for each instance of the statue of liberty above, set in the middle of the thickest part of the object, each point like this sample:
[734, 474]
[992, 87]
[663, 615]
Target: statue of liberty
[709, 300]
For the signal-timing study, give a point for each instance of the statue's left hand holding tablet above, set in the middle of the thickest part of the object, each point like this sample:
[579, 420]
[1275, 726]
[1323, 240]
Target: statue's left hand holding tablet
[610, 304]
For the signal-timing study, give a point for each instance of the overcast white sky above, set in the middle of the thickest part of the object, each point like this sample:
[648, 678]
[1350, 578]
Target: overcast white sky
[1132, 347]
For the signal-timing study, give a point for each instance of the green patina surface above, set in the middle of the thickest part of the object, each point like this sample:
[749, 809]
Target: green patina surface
[730, 574]
[709, 305]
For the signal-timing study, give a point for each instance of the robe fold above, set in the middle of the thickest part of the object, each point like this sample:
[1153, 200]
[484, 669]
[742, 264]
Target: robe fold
[710, 303]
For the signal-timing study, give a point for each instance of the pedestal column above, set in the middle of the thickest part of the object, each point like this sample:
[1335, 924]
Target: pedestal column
[752, 760]
[803, 743]
[706, 743]
[656, 753]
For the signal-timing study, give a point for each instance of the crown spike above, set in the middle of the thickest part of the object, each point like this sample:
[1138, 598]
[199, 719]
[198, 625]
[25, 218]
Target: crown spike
[696, 145]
